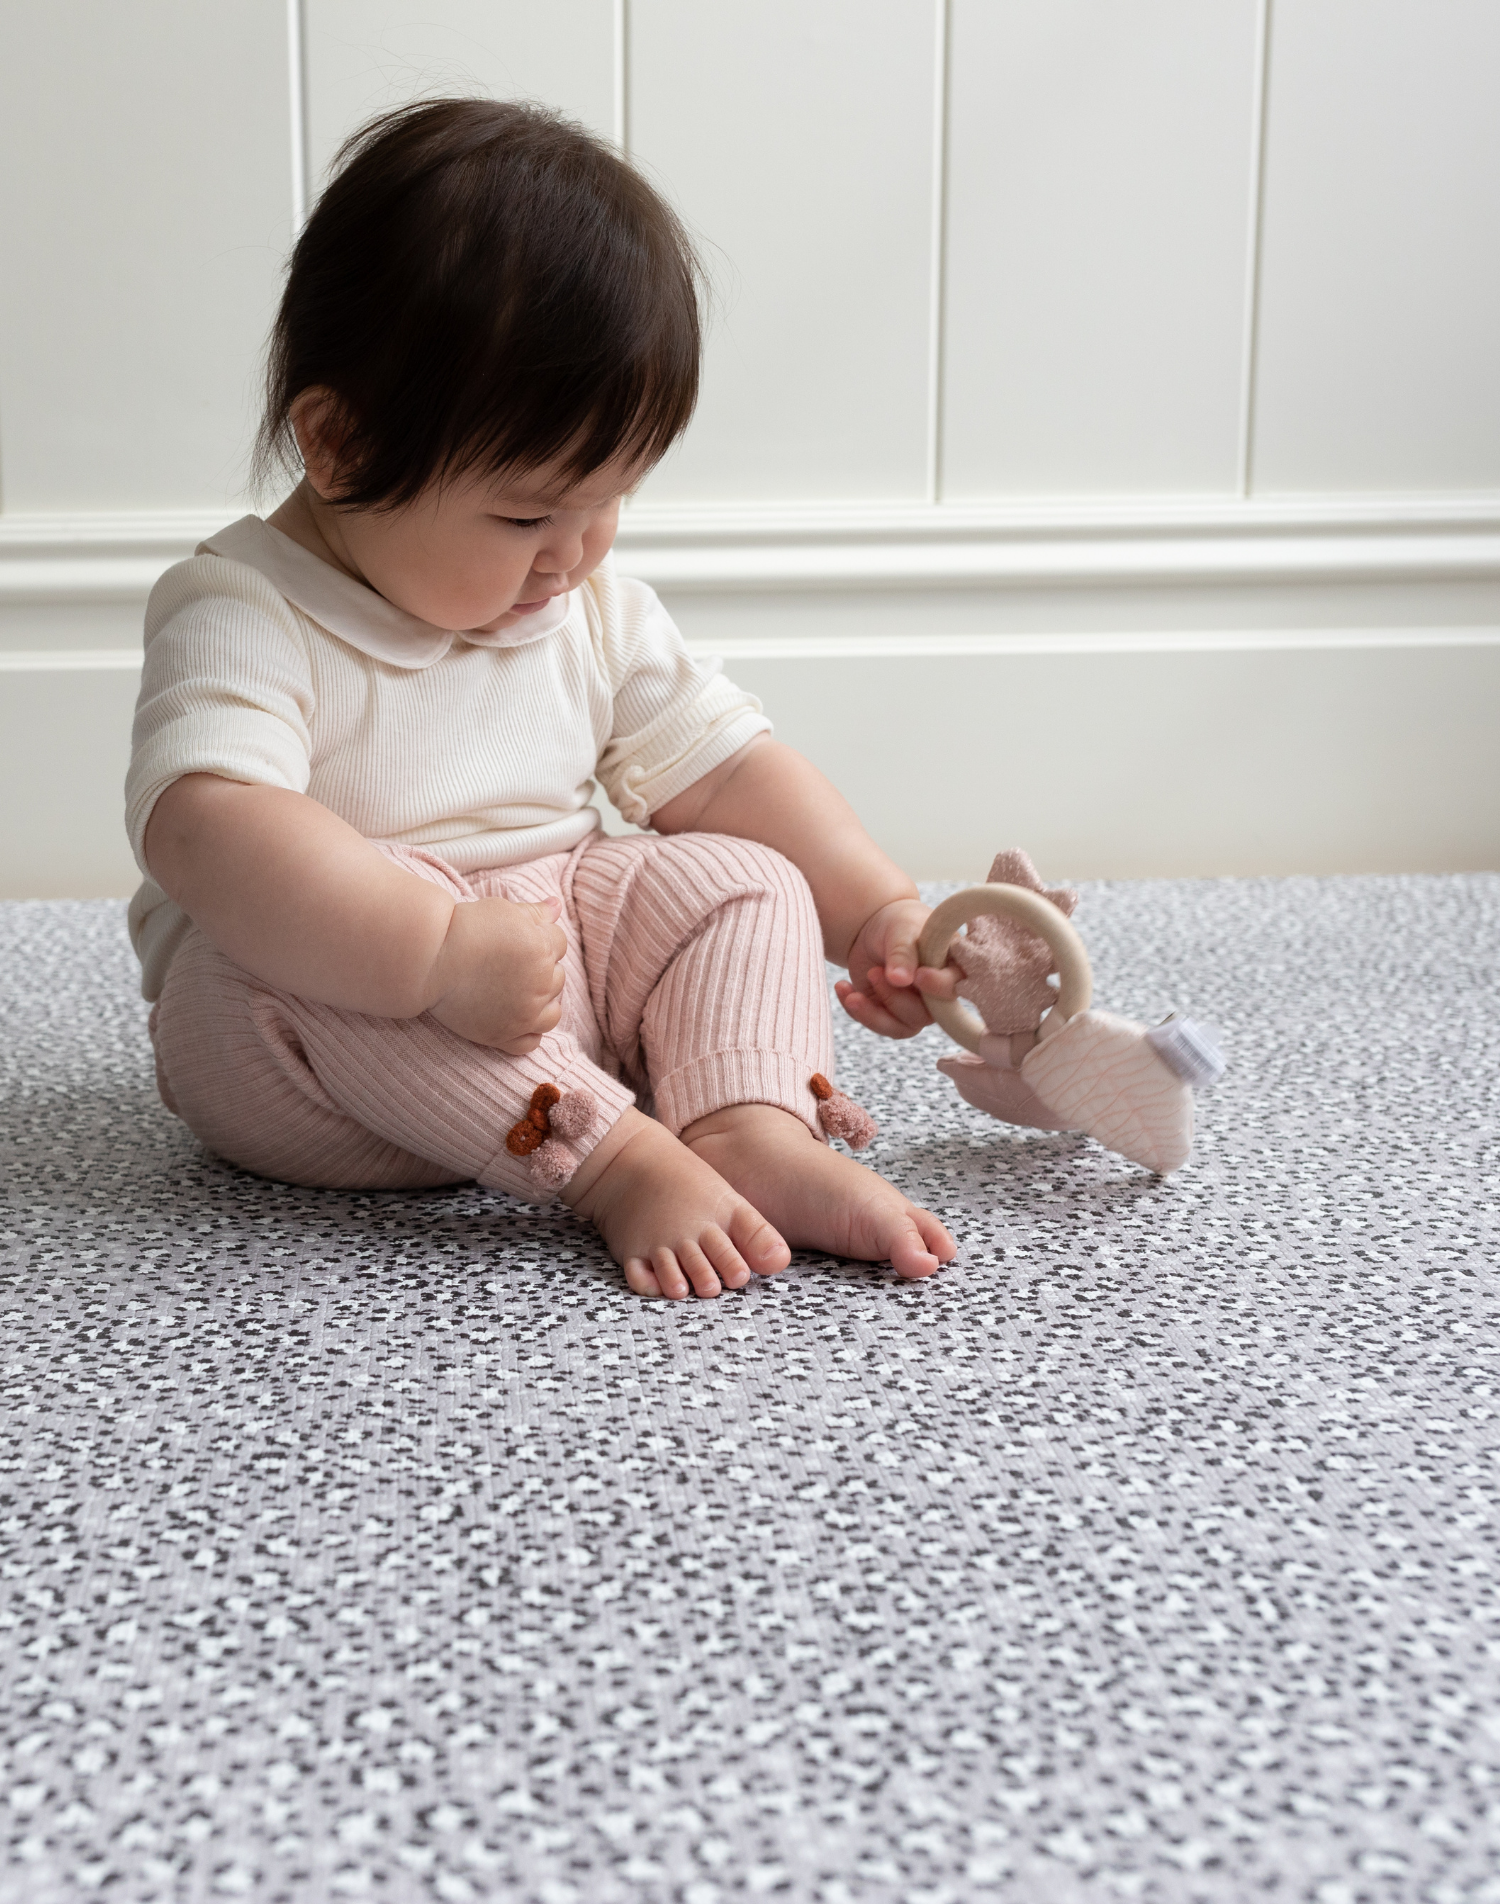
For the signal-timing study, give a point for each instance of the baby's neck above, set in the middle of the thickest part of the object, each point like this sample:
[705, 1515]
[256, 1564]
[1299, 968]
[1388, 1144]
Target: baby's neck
[310, 522]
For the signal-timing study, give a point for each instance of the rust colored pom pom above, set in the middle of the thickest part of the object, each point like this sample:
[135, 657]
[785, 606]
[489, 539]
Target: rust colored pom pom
[821, 1089]
[523, 1138]
[552, 1114]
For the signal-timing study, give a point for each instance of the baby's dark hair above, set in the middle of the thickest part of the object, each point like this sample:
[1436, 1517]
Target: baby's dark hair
[485, 287]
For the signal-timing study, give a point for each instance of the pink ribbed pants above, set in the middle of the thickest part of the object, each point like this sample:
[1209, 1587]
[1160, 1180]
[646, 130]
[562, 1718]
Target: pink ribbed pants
[694, 973]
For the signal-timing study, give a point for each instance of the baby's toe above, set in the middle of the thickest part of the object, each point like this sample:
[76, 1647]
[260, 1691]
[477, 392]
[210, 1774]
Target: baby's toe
[763, 1248]
[908, 1251]
[733, 1270]
[935, 1235]
[674, 1285]
[699, 1271]
[641, 1277]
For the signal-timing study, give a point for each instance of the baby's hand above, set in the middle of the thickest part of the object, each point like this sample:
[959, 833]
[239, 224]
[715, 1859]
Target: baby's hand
[498, 977]
[882, 991]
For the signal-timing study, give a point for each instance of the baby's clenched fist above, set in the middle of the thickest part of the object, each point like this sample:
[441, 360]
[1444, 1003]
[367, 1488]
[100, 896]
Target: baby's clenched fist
[498, 977]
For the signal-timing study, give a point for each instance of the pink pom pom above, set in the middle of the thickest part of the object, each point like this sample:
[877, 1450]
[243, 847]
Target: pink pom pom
[551, 1165]
[573, 1113]
[840, 1116]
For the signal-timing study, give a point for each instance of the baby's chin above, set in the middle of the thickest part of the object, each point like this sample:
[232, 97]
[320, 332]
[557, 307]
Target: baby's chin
[470, 619]
[509, 619]
[444, 615]
[549, 613]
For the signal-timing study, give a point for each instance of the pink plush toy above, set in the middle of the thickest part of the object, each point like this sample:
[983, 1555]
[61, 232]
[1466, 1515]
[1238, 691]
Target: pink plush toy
[1041, 1056]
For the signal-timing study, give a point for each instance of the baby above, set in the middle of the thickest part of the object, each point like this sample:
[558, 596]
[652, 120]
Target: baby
[379, 922]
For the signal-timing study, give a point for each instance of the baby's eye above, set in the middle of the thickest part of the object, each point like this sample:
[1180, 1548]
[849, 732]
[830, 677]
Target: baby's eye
[527, 522]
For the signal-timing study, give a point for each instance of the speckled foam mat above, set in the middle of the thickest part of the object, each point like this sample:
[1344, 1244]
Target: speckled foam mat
[384, 1546]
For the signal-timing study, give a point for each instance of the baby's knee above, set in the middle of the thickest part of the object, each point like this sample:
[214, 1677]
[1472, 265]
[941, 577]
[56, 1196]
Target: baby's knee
[747, 864]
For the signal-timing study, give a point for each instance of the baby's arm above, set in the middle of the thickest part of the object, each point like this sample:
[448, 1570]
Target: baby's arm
[298, 898]
[871, 914]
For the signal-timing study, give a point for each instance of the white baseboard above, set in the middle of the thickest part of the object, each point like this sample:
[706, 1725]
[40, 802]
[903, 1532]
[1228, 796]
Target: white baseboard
[1127, 688]
[1372, 752]
[64, 748]
[1153, 762]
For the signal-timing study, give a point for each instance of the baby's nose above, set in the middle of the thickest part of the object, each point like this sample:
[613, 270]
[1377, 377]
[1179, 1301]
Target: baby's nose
[561, 553]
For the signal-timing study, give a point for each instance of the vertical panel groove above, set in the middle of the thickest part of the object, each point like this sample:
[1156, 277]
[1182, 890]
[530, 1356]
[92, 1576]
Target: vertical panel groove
[622, 75]
[1246, 470]
[296, 67]
[939, 254]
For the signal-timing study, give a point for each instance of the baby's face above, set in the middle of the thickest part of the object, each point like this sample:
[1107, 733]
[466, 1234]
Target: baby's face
[479, 554]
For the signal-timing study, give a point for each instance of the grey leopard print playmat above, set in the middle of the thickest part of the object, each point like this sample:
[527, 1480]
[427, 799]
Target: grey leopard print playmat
[385, 1547]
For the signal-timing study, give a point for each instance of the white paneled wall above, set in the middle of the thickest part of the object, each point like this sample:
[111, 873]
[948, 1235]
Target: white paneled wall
[361, 57]
[1100, 181]
[1380, 273]
[799, 141]
[1100, 436]
[145, 209]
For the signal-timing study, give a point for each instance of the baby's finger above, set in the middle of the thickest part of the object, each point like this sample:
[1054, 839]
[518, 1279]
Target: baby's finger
[901, 962]
[906, 1006]
[938, 981]
[909, 1009]
[866, 1011]
[548, 915]
[859, 1005]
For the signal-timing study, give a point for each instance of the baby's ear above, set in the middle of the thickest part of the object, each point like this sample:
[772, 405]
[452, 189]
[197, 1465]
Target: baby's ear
[323, 428]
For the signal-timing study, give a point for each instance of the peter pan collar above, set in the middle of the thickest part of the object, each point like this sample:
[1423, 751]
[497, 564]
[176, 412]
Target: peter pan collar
[356, 613]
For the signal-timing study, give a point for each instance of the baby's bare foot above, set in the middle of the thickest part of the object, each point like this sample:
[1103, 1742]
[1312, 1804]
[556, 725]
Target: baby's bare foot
[671, 1222]
[816, 1197]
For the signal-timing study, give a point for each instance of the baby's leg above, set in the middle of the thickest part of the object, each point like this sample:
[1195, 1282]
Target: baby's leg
[705, 962]
[302, 1093]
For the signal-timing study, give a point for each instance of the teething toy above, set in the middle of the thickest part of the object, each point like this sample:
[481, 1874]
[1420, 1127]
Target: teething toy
[1045, 1058]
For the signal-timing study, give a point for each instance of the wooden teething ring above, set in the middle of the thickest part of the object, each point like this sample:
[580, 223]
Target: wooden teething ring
[963, 1024]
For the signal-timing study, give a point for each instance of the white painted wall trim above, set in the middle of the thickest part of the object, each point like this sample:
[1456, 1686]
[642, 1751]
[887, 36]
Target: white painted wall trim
[94, 558]
[876, 646]
[938, 246]
[69, 660]
[1254, 231]
[296, 73]
[1068, 642]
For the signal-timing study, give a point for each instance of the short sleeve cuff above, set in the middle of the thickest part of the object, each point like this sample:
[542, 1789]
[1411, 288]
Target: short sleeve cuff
[640, 791]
